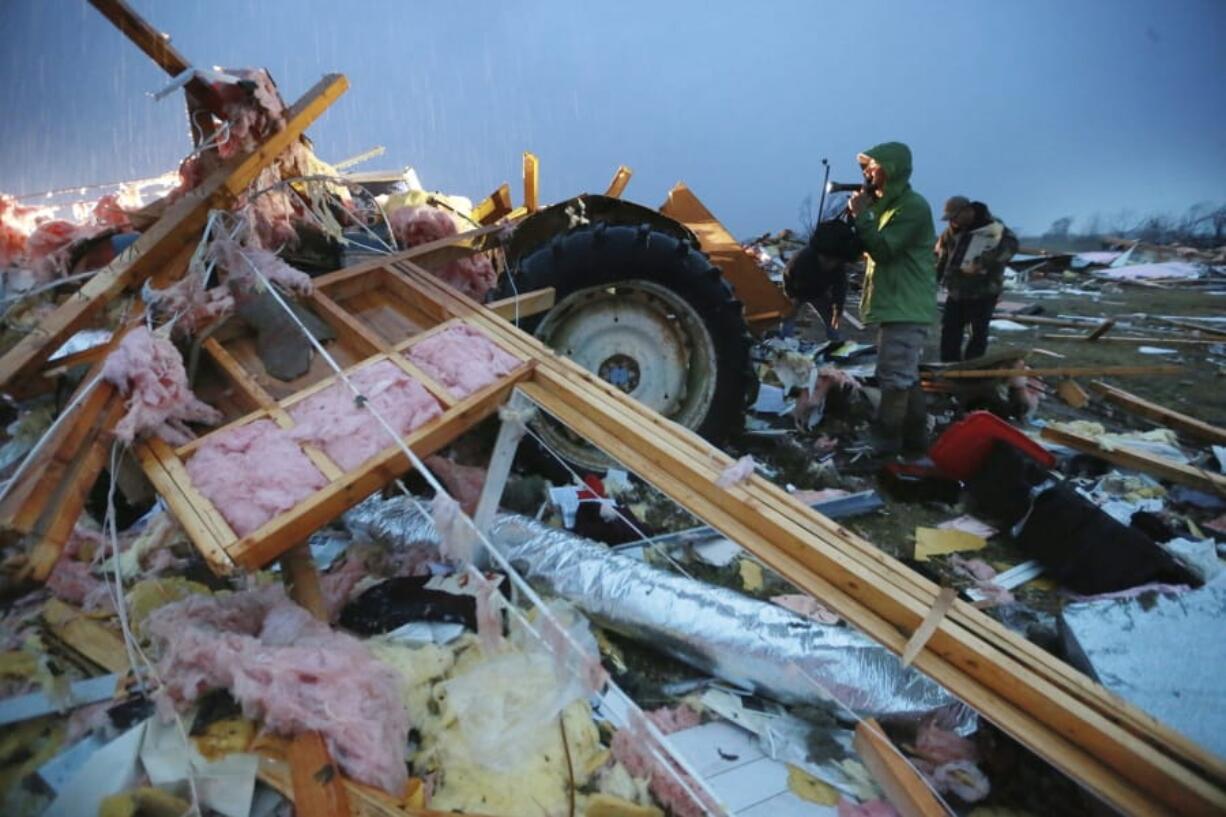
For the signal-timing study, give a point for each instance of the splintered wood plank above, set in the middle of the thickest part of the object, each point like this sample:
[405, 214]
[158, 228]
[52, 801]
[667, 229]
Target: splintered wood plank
[90, 638]
[1120, 454]
[420, 252]
[1166, 341]
[24, 505]
[1193, 327]
[70, 499]
[1056, 371]
[318, 788]
[158, 48]
[178, 227]
[294, 527]
[524, 305]
[532, 182]
[1159, 413]
[898, 779]
[364, 801]
[1102, 329]
[495, 206]
[1122, 755]
[618, 184]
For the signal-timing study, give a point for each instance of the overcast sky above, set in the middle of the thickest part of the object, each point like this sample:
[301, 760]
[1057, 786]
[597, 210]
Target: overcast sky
[1040, 108]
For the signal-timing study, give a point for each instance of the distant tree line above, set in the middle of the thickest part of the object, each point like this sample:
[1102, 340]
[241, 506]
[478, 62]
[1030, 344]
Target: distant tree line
[1201, 225]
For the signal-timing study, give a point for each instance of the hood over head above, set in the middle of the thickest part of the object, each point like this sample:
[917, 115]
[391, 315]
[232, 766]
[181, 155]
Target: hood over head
[895, 159]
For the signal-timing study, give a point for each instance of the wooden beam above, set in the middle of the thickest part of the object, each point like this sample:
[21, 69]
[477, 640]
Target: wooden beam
[903, 786]
[255, 395]
[365, 801]
[419, 252]
[1194, 327]
[1161, 414]
[524, 305]
[174, 230]
[1102, 329]
[495, 207]
[319, 790]
[1124, 756]
[532, 182]
[1120, 454]
[1071, 392]
[1057, 371]
[1039, 320]
[1157, 341]
[157, 47]
[618, 185]
[69, 501]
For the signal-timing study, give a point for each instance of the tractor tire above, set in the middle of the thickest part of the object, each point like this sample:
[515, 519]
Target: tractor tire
[647, 312]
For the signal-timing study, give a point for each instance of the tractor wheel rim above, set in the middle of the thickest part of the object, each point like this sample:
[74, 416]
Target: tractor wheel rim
[644, 339]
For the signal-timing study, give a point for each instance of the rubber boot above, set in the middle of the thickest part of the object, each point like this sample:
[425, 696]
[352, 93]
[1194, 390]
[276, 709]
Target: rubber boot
[886, 436]
[915, 422]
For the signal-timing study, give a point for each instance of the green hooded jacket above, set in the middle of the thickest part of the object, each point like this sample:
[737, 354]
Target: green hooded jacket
[900, 279]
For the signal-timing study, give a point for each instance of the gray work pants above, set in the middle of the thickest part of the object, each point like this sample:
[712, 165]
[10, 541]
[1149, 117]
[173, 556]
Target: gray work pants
[899, 349]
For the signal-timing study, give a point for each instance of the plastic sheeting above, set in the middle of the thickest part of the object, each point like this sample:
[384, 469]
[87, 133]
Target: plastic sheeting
[746, 642]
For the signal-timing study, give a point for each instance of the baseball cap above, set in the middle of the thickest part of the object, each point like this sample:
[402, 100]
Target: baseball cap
[953, 205]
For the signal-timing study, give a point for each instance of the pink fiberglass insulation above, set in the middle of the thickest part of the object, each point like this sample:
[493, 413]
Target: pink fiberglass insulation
[349, 434]
[189, 304]
[420, 224]
[290, 671]
[17, 221]
[252, 473]
[940, 746]
[674, 719]
[462, 360]
[242, 264]
[253, 110]
[736, 473]
[337, 585]
[73, 582]
[148, 370]
[474, 276]
[464, 482]
[633, 752]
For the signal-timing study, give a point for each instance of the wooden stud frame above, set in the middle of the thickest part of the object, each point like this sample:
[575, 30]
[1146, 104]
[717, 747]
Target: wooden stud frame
[204, 523]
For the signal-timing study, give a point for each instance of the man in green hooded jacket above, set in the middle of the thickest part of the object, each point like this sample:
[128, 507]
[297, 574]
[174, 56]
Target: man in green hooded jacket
[900, 290]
